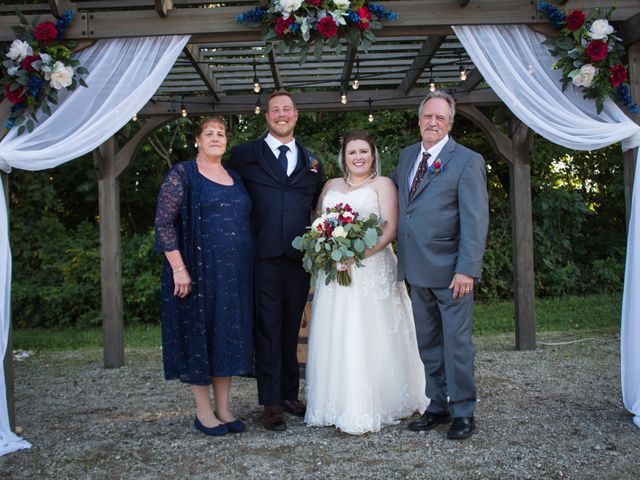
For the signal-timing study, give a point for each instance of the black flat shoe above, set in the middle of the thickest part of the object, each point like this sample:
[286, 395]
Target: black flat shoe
[461, 428]
[218, 431]
[236, 426]
[429, 420]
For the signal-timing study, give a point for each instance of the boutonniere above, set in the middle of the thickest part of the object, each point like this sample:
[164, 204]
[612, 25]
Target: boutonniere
[435, 168]
[313, 165]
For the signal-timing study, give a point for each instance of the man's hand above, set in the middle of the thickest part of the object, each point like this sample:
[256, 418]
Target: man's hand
[461, 284]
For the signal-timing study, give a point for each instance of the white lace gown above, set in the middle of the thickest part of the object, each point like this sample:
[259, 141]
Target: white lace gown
[363, 366]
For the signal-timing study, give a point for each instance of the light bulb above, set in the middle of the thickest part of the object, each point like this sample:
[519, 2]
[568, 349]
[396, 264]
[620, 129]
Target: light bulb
[256, 86]
[183, 112]
[135, 117]
[463, 73]
[371, 118]
[432, 86]
[257, 110]
[530, 69]
[356, 84]
[343, 99]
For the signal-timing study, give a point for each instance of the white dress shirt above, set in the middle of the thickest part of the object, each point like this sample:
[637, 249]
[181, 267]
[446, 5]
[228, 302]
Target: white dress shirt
[292, 153]
[433, 151]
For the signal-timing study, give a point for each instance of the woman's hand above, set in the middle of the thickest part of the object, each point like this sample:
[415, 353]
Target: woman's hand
[182, 283]
[343, 265]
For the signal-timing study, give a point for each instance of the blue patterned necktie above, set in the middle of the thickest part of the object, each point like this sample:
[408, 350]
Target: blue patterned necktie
[422, 169]
[282, 158]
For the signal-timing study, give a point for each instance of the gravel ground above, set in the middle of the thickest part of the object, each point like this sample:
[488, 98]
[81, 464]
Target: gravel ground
[555, 412]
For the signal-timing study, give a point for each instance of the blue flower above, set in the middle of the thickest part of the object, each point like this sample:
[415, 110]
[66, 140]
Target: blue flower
[9, 123]
[252, 16]
[555, 16]
[381, 12]
[34, 86]
[353, 16]
[63, 23]
[295, 27]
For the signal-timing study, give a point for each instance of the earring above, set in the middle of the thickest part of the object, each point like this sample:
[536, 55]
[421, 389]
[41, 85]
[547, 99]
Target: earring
[196, 144]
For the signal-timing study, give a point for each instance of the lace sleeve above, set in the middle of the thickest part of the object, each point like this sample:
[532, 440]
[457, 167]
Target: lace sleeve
[168, 209]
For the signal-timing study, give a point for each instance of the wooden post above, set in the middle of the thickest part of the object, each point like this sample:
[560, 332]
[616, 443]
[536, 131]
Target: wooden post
[110, 252]
[629, 157]
[520, 192]
[8, 355]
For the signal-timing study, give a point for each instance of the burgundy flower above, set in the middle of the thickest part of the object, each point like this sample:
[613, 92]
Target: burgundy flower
[28, 60]
[575, 20]
[313, 3]
[437, 164]
[45, 32]
[327, 27]
[282, 25]
[16, 96]
[617, 75]
[596, 50]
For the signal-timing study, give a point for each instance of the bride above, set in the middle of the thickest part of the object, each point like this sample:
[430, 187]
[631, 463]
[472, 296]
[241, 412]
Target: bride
[363, 366]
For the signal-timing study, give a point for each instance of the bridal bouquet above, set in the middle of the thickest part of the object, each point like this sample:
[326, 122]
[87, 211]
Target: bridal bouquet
[339, 234]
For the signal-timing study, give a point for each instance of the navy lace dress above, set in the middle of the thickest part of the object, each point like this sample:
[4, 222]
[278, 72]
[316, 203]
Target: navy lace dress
[208, 333]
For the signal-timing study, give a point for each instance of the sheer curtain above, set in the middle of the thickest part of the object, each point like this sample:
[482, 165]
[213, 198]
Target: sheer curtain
[518, 68]
[124, 74]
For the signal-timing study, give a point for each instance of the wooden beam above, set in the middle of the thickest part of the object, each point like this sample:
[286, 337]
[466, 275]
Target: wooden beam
[58, 7]
[275, 73]
[629, 31]
[110, 254]
[163, 6]
[125, 155]
[8, 354]
[498, 140]
[464, 3]
[195, 56]
[422, 60]
[347, 68]
[522, 241]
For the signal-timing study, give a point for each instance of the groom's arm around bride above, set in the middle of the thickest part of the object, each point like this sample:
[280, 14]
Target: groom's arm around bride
[442, 229]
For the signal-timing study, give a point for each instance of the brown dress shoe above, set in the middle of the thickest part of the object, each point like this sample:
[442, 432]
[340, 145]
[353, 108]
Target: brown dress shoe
[272, 418]
[294, 407]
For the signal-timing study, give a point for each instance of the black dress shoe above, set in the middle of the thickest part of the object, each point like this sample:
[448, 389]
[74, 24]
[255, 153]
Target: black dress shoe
[429, 420]
[462, 427]
[294, 407]
[273, 420]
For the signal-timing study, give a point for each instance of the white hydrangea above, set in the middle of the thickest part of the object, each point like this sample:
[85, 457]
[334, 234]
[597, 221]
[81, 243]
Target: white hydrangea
[19, 50]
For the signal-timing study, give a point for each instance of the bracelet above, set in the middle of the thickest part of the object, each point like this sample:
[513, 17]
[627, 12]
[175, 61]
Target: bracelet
[176, 270]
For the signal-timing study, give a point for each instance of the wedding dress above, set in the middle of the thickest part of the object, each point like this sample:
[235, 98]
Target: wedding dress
[363, 366]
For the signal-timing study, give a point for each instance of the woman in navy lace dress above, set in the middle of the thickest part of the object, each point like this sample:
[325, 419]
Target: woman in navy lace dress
[203, 227]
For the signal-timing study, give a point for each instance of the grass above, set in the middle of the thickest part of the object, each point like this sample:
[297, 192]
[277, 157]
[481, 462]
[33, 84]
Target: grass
[570, 313]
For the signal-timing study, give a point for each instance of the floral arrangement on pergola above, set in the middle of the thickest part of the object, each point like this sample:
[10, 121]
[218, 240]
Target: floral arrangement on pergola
[306, 24]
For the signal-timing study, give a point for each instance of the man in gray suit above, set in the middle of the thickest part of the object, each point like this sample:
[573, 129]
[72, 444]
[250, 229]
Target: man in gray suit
[442, 230]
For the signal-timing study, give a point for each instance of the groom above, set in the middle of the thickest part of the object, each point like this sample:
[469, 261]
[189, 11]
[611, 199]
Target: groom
[442, 229]
[284, 182]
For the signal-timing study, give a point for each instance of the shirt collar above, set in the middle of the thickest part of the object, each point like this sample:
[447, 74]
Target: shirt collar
[274, 143]
[436, 149]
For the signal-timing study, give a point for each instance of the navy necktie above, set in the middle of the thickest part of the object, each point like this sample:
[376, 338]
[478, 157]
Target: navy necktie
[282, 158]
[422, 169]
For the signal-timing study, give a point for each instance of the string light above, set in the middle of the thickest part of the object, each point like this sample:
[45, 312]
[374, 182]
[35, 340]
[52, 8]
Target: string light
[432, 84]
[183, 110]
[257, 109]
[256, 82]
[370, 110]
[356, 81]
[343, 96]
[135, 117]
[463, 71]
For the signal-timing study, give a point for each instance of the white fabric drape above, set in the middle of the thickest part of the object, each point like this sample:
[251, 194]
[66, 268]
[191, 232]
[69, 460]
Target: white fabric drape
[517, 67]
[123, 75]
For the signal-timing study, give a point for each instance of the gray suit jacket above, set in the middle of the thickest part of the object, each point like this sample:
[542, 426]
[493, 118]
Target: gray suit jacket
[443, 229]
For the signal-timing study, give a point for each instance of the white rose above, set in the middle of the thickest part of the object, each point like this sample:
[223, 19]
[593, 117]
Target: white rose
[316, 223]
[584, 76]
[287, 7]
[46, 58]
[347, 215]
[600, 29]
[339, 231]
[19, 50]
[343, 4]
[61, 76]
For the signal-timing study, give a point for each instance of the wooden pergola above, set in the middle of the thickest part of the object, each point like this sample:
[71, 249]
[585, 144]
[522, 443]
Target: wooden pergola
[216, 71]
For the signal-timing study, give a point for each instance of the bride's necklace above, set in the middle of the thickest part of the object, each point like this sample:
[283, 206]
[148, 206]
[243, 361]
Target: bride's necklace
[351, 184]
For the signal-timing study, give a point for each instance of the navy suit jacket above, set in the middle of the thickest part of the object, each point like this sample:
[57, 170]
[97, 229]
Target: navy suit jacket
[282, 205]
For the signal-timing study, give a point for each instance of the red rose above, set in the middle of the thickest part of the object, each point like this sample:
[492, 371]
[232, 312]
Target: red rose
[28, 60]
[365, 18]
[436, 165]
[596, 50]
[327, 27]
[15, 96]
[618, 75]
[282, 25]
[575, 20]
[45, 32]
[313, 3]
